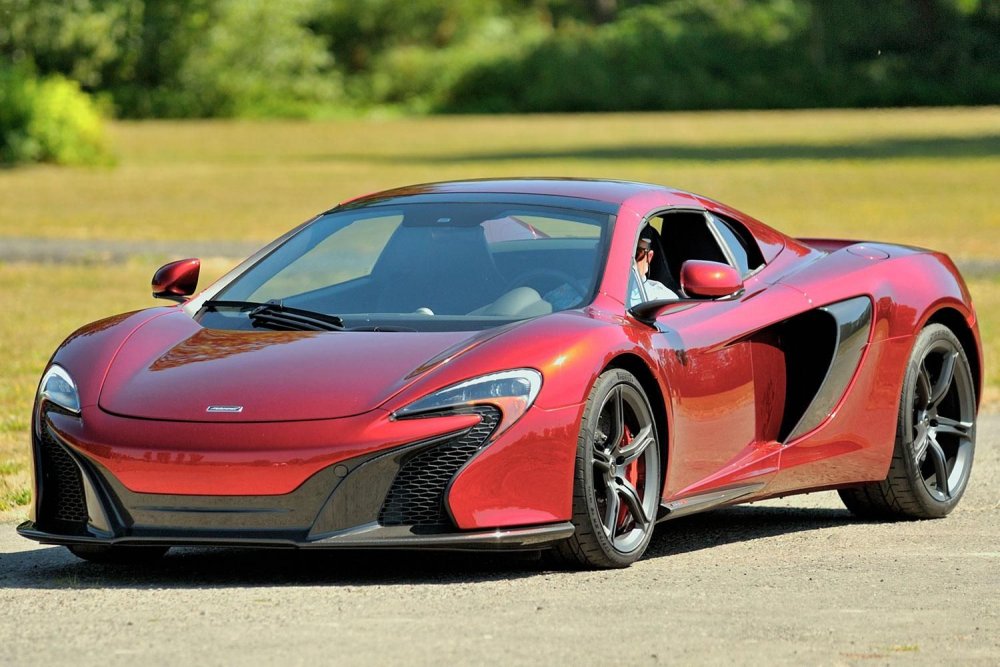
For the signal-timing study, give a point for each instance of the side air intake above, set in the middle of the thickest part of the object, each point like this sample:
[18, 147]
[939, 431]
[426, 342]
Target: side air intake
[823, 350]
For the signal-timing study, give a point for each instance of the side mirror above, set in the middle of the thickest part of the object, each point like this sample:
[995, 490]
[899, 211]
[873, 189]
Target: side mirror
[177, 280]
[709, 279]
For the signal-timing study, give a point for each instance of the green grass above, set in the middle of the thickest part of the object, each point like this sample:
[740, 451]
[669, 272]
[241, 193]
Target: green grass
[923, 177]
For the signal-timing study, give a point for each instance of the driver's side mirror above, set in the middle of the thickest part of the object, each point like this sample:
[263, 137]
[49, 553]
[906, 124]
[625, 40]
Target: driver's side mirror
[177, 280]
[700, 278]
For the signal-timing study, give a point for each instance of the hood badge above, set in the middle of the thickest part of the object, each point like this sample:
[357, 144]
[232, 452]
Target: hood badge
[224, 408]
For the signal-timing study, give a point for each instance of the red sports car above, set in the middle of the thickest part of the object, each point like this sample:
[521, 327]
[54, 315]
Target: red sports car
[523, 364]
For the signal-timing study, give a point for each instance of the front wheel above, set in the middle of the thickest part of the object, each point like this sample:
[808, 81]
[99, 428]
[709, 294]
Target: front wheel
[618, 476]
[935, 436]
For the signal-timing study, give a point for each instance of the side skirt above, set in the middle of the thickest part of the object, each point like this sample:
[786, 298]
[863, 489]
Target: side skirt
[704, 501]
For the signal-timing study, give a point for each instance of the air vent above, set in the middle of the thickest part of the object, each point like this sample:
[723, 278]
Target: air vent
[416, 497]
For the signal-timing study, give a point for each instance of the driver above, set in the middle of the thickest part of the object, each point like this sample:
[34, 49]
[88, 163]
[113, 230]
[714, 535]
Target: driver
[653, 288]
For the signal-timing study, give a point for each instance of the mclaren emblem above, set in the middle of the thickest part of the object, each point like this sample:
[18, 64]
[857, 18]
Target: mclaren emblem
[224, 408]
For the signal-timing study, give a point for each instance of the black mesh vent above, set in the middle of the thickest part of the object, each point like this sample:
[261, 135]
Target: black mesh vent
[416, 497]
[62, 486]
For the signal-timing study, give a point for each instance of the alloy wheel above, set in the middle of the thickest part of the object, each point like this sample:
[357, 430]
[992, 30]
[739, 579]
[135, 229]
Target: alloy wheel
[626, 465]
[943, 421]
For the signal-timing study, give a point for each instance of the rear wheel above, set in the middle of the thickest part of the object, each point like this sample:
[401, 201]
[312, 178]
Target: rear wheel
[617, 482]
[935, 436]
[119, 555]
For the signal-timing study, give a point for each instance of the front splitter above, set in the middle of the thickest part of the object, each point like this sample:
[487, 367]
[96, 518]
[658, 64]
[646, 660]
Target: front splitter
[367, 537]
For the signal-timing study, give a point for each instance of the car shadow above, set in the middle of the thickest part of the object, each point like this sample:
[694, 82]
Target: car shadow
[46, 567]
[743, 523]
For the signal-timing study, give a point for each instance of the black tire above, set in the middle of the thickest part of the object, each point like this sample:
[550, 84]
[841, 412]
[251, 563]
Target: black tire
[618, 476]
[935, 436]
[117, 555]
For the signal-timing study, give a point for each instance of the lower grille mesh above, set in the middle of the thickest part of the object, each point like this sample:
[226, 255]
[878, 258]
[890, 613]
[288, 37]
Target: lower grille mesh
[417, 494]
[62, 487]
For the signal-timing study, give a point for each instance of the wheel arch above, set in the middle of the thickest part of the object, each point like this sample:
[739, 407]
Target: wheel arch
[956, 322]
[641, 371]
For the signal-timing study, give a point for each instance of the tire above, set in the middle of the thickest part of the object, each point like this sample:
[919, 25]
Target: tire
[617, 483]
[117, 555]
[935, 436]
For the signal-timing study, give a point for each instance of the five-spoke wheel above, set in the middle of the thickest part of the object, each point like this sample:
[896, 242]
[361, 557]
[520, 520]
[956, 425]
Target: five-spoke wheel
[617, 489]
[935, 438]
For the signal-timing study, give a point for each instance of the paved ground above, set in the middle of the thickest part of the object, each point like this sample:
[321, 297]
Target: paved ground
[788, 582]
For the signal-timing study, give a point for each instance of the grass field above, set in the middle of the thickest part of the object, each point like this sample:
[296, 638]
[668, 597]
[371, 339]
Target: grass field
[923, 177]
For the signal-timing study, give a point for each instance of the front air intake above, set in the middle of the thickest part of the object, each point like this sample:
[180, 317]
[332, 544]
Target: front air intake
[416, 497]
[62, 495]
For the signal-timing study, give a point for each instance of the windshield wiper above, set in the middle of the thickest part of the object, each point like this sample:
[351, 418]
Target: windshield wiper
[275, 315]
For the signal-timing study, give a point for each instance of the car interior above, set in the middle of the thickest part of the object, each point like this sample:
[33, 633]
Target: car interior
[701, 236]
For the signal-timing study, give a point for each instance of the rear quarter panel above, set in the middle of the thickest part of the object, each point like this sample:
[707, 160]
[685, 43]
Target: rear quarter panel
[907, 287]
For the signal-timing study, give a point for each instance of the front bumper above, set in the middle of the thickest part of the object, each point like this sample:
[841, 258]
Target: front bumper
[395, 497]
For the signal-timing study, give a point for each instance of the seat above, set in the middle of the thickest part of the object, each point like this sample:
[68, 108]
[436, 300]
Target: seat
[447, 269]
[690, 238]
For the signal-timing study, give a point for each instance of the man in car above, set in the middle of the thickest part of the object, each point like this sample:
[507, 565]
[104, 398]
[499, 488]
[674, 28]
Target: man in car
[654, 289]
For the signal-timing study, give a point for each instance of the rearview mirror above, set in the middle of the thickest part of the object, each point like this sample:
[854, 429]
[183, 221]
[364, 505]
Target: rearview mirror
[700, 278]
[177, 280]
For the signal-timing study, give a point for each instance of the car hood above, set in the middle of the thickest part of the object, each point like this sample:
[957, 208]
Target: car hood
[173, 369]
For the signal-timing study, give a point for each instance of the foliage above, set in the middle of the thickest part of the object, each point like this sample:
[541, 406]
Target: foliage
[86, 40]
[258, 59]
[705, 54]
[174, 58]
[48, 120]
[171, 58]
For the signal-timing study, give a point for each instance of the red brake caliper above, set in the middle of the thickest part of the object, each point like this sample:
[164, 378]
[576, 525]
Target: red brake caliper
[632, 474]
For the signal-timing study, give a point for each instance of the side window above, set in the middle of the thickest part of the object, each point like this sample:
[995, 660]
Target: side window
[738, 244]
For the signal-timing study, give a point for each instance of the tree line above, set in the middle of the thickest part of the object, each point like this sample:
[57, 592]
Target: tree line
[313, 58]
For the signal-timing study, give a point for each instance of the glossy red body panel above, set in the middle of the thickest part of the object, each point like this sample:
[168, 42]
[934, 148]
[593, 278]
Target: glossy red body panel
[614, 192]
[235, 459]
[312, 399]
[713, 382]
[273, 375]
[534, 460]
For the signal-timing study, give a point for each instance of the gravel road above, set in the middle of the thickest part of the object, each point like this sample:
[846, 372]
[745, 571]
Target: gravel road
[794, 581]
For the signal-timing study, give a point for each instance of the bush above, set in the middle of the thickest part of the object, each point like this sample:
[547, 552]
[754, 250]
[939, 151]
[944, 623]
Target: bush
[48, 120]
[711, 54]
[686, 56]
[421, 78]
[258, 59]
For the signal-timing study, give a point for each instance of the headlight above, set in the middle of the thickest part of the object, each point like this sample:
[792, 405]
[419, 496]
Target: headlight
[511, 391]
[58, 387]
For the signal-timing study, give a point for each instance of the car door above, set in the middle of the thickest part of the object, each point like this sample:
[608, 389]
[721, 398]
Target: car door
[724, 365]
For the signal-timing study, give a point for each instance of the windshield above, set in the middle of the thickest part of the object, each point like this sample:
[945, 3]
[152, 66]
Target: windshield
[429, 266]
